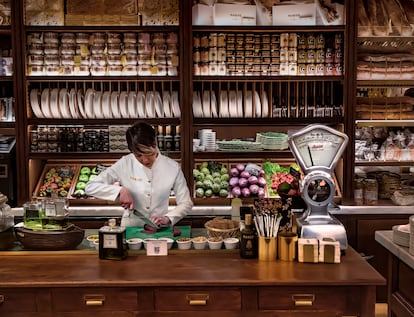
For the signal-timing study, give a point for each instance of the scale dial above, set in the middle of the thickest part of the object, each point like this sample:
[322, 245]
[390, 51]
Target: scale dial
[318, 146]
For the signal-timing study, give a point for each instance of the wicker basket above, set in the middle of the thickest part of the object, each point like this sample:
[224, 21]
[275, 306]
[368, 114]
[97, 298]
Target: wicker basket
[222, 228]
[50, 240]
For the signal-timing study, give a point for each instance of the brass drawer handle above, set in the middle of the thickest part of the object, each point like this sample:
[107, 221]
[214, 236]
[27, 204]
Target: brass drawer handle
[2, 299]
[94, 300]
[303, 299]
[197, 299]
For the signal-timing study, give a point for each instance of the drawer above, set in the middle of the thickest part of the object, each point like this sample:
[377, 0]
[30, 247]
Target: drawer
[94, 299]
[190, 299]
[307, 298]
[17, 301]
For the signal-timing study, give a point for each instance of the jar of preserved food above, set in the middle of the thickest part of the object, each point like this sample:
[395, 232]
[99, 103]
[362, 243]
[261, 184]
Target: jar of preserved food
[370, 192]
[359, 191]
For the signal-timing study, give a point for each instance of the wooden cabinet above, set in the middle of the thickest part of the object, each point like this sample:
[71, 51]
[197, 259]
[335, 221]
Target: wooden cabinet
[185, 283]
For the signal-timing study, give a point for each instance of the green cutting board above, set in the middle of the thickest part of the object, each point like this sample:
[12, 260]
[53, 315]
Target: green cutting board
[167, 232]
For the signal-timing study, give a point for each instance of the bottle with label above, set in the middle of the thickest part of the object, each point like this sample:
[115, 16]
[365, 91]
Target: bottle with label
[112, 242]
[248, 239]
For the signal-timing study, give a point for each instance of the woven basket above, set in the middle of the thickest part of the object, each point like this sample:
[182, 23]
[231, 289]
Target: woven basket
[222, 228]
[50, 240]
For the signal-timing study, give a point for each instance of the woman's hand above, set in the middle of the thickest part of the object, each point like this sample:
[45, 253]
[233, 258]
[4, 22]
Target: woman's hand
[159, 221]
[125, 199]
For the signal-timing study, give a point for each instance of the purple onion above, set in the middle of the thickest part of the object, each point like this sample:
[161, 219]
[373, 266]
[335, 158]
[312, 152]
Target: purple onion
[235, 191]
[245, 174]
[234, 172]
[261, 181]
[254, 189]
[240, 167]
[234, 181]
[243, 182]
[253, 180]
[245, 192]
[261, 192]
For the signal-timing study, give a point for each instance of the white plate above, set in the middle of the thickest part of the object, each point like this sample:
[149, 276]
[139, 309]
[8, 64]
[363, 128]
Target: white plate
[206, 104]
[123, 104]
[239, 103]
[132, 104]
[141, 104]
[115, 104]
[197, 108]
[89, 97]
[45, 103]
[149, 104]
[175, 104]
[166, 101]
[97, 105]
[73, 104]
[64, 103]
[257, 105]
[54, 103]
[233, 104]
[248, 104]
[35, 103]
[158, 104]
[213, 104]
[224, 104]
[265, 105]
[106, 105]
[79, 100]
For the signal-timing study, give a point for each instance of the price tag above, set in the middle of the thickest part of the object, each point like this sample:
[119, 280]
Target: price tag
[157, 248]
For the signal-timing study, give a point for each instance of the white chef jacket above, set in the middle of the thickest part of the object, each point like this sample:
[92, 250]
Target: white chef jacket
[149, 187]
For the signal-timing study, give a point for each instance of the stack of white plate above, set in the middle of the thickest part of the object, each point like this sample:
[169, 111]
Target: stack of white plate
[207, 139]
[411, 247]
[401, 235]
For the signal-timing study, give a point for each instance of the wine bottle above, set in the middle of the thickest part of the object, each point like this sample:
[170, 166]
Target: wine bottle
[248, 240]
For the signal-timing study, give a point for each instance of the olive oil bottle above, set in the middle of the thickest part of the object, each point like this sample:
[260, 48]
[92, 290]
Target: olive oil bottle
[248, 240]
[112, 242]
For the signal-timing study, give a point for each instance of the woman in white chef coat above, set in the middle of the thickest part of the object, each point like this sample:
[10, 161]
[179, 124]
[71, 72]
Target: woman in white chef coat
[143, 180]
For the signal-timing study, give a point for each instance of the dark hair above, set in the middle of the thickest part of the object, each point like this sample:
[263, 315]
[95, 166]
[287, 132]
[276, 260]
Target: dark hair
[138, 134]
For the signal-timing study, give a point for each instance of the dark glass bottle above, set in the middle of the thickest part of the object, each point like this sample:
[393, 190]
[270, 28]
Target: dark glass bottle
[112, 242]
[248, 240]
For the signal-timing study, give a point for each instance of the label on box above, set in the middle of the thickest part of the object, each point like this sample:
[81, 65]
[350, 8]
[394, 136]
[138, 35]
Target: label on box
[234, 14]
[295, 13]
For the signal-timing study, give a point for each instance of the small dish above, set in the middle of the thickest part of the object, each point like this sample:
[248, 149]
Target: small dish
[170, 242]
[134, 243]
[215, 243]
[184, 243]
[231, 243]
[199, 243]
[91, 239]
[96, 244]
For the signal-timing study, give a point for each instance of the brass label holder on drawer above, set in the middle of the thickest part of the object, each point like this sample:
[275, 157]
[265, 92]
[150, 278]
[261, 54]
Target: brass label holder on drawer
[94, 300]
[197, 299]
[303, 299]
[2, 299]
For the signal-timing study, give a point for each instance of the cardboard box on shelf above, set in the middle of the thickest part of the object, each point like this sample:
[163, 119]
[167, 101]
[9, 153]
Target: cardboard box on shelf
[203, 14]
[295, 12]
[234, 14]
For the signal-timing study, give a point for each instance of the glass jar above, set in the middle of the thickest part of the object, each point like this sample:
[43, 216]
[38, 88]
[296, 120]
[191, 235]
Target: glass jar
[359, 191]
[370, 192]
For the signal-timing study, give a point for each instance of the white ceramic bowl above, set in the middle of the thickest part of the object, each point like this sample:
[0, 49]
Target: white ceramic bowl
[215, 243]
[199, 243]
[96, 244]
[134, 243]
[170, 242]
[184, 243]
[231, 243]
[146, 241]
[91, 239]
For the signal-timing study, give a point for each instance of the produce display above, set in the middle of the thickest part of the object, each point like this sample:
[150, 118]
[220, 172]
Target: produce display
[211, 180]
[282, 180]
[247, 180]
[86, 174]
[56, 179]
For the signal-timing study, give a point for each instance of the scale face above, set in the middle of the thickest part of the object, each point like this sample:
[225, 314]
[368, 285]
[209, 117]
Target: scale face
[317, 149]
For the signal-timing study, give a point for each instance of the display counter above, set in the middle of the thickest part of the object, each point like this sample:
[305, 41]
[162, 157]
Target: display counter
[400, 276]
[184, 283]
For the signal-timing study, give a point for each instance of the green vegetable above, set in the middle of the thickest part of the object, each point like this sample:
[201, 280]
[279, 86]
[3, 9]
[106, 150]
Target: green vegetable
[199, 192]
[92, 176]
[80, 185]
[85, 170]
[83, 178]
[223, 193]
[208, 193]
[95, 171]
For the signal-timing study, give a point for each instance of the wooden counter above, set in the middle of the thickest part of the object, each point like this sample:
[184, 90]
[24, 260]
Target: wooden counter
[184, 283]
[401, 276]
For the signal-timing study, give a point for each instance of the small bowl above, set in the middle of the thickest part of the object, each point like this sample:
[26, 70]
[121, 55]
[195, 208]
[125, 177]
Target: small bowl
[134, 243]
[231, 243]
[146, 241]
[215, 243]
[199, 243]
[184, 243]
[170, 242]
[91, 239]
[96, 244]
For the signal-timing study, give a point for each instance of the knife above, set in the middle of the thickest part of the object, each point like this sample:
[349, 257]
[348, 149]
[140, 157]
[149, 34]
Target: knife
[144, 218]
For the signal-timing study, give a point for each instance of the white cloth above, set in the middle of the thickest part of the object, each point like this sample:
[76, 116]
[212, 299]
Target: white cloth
[149, 187]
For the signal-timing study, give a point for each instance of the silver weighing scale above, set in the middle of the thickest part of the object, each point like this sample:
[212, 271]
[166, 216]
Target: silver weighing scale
[317, 149]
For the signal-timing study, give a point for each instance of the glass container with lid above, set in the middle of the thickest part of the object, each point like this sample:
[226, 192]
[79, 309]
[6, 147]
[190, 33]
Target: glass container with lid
[112, 241]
